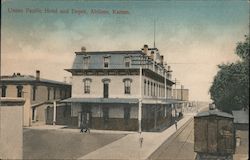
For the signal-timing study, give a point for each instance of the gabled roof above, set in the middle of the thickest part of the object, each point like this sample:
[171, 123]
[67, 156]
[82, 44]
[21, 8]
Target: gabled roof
[28, 79]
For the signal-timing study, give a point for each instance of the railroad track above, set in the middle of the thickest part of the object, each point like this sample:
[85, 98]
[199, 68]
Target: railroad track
[172, 138]
[187, 131]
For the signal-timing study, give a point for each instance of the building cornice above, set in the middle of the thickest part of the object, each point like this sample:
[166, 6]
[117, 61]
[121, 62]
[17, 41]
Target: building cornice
[118, 72]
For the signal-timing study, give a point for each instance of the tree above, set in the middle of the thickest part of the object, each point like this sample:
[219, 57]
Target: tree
[230, 88]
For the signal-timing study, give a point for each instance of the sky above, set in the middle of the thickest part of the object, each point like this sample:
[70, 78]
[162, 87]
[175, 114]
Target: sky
[194, 36]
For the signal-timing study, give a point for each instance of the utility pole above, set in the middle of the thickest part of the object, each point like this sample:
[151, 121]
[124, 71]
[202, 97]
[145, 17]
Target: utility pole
[165, 84]
[140, 102]
[54, 113]
[154, 33]
[175, 81]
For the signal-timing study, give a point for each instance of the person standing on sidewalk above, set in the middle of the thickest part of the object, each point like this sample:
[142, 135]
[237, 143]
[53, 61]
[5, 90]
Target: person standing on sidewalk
[140, 139]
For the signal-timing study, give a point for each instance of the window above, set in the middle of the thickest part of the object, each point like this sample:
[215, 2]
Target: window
[54, 94]
[85, 62]
[60, 93]
[48, 115]
[19, 91]
[127, 62]
[158, 90]
[106, 87]
[3, 90]
[126, 114]
[127, 86]
[154, 90]
[33, 114]
[87, 82]
[151, 88]
[48, 93]
[148, 88]
[34, 93]
[145, 87]
[106, 62]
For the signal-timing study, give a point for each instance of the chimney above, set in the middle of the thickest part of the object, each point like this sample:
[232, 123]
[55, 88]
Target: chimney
[83, 49]
[145, 49]
[152, 54]
[37, 75]
[162, 60]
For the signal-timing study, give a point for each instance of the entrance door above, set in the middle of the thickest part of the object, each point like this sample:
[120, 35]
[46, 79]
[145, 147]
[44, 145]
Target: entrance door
[84, 117]
[105, 90]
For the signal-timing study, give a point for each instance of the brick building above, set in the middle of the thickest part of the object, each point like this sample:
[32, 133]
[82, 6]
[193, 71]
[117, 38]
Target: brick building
[39, 96]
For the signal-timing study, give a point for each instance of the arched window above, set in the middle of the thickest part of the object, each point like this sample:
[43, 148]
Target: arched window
[106, 82]
[19, 91]
[148, 88]
[3, 90]
[127, 85]
[87, 82]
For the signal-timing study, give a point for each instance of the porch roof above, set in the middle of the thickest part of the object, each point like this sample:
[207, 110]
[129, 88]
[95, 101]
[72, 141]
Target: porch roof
[101, 100]
[121, 100]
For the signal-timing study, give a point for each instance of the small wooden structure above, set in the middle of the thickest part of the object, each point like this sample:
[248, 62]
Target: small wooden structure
[214, 135]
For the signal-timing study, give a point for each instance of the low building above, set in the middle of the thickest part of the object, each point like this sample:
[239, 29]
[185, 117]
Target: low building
[241, 119]
[121, 90]
[39, 96]
[11, 129]
[181, 94]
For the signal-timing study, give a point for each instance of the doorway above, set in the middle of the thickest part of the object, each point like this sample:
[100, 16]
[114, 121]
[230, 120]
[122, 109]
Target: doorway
[85, 118]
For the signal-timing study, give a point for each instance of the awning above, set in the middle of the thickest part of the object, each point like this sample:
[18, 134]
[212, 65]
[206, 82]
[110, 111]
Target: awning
[101, 100]
[161, 101]
[121, 100]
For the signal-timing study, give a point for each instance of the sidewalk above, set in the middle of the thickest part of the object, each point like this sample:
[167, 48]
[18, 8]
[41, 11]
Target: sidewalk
[64, 128]
[128, 147]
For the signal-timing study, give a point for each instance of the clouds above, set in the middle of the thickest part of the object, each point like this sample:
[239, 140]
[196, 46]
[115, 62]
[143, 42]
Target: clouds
[193, 37]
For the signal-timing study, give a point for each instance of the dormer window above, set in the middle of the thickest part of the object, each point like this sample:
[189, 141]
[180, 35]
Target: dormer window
[85, 62]
[106, 62]
[127, 62]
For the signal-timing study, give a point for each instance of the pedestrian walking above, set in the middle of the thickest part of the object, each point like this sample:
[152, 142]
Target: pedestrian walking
[140, 139]
[175, 122]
